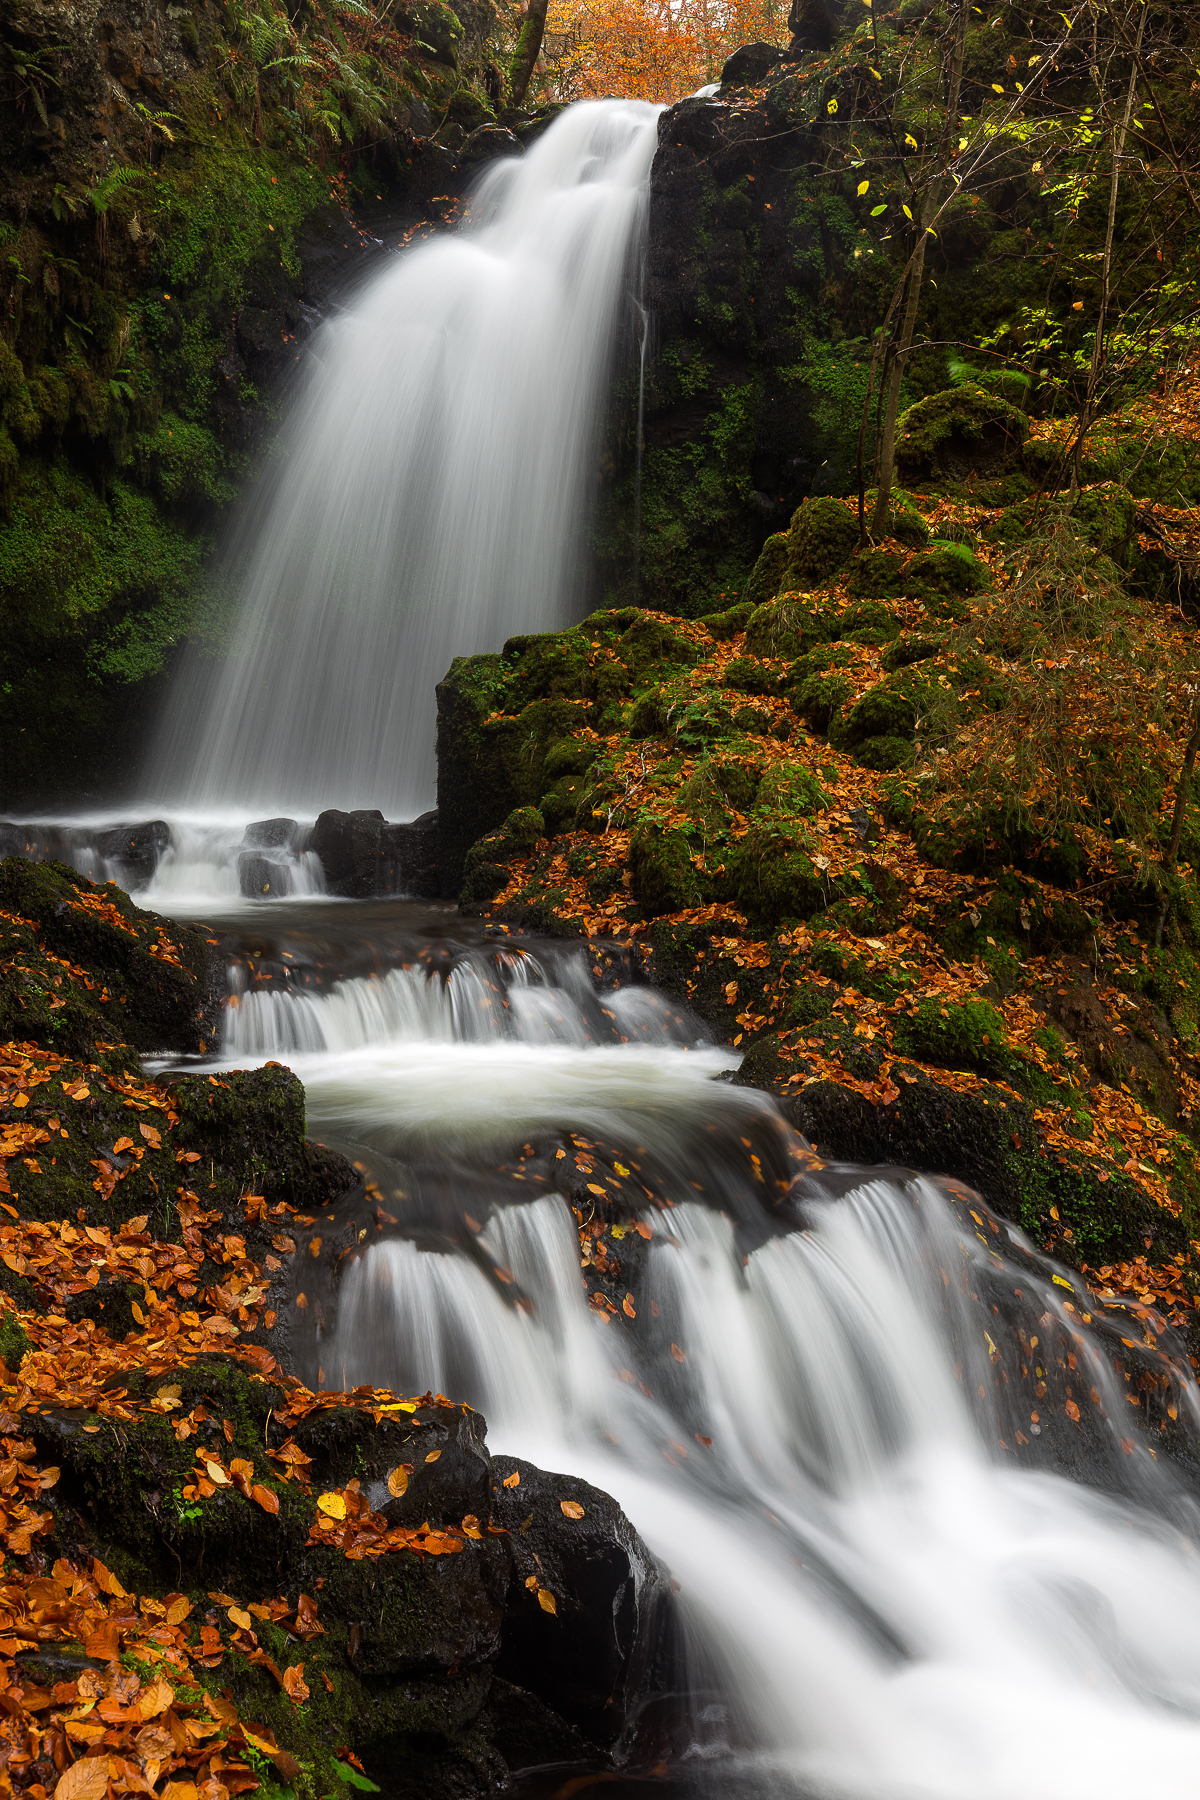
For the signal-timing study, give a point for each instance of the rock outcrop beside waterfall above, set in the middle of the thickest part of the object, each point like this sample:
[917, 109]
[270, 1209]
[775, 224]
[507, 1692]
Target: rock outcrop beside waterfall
[808, 818]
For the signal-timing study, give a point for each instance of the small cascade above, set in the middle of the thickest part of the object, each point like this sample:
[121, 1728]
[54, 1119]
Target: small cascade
[819, 1437]
[430, 496]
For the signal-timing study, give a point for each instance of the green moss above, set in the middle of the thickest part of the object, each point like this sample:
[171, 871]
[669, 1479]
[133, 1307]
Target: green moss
[767, 575]
[968, 1034]
[783, 628]
[15, 1341]
[663, 877]
[821, 539]
[774, 875]
[961, 432]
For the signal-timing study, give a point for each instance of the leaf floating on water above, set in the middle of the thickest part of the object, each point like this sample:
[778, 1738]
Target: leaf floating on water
[572, 1508]
[547, 1601]
[332, 1505]
[397, 1482]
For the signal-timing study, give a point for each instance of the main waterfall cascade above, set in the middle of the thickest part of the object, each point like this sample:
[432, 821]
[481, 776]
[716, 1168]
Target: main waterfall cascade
[816, 1420]
[432, 489]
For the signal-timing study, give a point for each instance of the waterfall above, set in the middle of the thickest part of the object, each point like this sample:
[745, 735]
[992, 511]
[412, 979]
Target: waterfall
[926, 1548]
[431, 491]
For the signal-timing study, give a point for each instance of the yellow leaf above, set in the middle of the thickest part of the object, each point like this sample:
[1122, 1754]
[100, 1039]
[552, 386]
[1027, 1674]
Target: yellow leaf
[513, 1480]
[332, 1505]
[137, 1312]
[86, 1779]
[216, 1474]
[996, 88]
[831, 107]
[547, 1601]
[863, 186]
[240, 1618]
[572, 1508]
[433, 1456]
[906, 212]
[397, 1483]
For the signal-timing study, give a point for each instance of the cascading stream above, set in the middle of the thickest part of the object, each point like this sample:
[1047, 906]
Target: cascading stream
[821, 1417]
[431, 492]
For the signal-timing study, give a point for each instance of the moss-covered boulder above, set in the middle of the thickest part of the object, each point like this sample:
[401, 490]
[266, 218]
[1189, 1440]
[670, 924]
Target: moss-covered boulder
[820, 540]
[663, 875]
[83, 965]
[784, 628]
[961, 434]
[767, 575]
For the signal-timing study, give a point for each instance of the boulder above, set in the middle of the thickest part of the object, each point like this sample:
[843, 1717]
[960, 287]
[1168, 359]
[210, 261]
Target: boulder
[750, 64]
[592, 1657]
[261, 878]
[138, 849]
[271, 834]
[363, 855]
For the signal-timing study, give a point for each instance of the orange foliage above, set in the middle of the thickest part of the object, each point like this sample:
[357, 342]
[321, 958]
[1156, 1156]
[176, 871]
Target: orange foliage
[654, 50]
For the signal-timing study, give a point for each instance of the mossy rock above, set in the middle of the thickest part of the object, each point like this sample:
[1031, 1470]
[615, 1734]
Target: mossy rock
[952, 1034]
[436, 32]
[959, 434]
[649, 644]
[727, 624]
[749, 676]
[774, 875]
[820, 693]
[868, 622]
[1105, 517]
[134, 997]
[947, 569]
[738, 780]
[662, 875]
[877, 575]
[789, 790]
[647, 717]
[884, 753]
[766, 577]
[571, 756]
[820, 540]
[547, 665]
[782, 628]
[909, 648]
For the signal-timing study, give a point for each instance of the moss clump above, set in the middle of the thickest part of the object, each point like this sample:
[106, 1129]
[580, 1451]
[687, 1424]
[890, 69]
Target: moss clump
[782, 628]
[724, 625]
[821, 539]
[15, 1342]
[767, 575]
[957, 434]
[775, 876]
[662, 874]
[951, 1034]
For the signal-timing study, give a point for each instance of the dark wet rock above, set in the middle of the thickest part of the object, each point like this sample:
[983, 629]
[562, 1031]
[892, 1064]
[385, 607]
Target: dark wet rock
[591, 1657]
[488, 142]
[363, 855]
[137, 848]
[261, 878]
[271, 834]
[750, 64]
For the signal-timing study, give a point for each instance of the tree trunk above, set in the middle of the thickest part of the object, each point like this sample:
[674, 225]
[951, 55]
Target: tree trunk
[529, 45]
[908, 320]
[1087, 412]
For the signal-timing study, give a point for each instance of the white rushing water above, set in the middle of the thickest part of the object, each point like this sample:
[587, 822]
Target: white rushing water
[433, 487]
[896, 1608]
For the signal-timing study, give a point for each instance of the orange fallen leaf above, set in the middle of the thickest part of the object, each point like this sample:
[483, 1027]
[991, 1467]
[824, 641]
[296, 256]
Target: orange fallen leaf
[546, 1600]
[265, 1498]
[433, 1456]
[397, 1482]
[572, 1508]
[513, 1480]
[678, 1354]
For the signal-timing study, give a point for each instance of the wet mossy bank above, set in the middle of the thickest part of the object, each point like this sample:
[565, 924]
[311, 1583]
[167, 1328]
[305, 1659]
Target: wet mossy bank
[289, 1587]
[897, 824]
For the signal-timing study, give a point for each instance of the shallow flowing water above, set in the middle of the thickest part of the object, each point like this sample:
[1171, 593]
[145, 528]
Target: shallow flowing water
[889, 1586]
